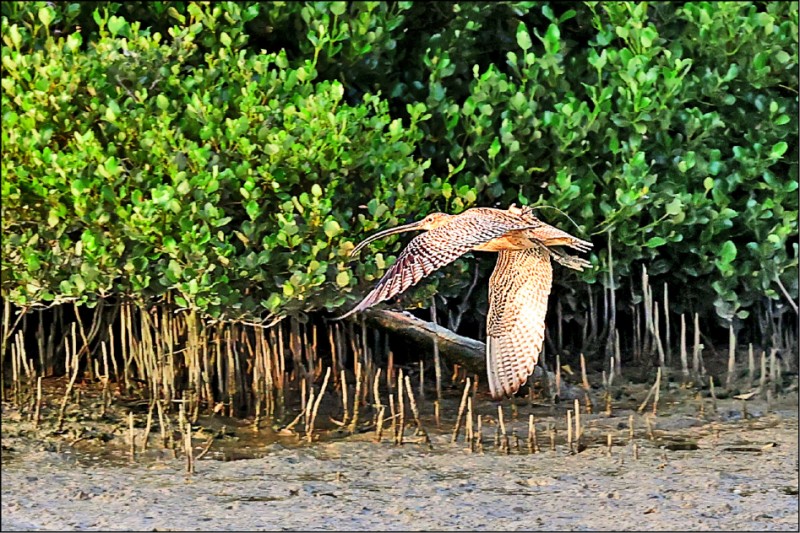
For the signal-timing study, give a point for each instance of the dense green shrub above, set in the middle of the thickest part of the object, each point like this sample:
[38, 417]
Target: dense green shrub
[229, 155]
[676, 141]
[137, 168]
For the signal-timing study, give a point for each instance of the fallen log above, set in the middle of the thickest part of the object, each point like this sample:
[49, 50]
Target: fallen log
[469, 353]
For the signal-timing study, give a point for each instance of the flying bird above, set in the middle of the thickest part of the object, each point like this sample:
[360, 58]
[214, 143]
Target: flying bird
[518, 288]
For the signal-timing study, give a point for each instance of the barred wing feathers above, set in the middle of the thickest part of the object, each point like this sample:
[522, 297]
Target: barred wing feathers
[518, 292]
[438, 247]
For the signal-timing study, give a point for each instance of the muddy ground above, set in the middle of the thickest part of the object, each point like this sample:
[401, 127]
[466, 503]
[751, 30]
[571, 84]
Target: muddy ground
[699, 465]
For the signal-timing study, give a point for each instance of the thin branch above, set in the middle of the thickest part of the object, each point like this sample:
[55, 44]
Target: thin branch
[786, 293]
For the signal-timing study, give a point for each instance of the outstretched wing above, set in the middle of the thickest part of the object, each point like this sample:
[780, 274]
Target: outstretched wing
[518, 291]
[438, 247]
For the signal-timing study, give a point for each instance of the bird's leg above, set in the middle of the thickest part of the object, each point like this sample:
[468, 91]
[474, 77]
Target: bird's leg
[569, 261]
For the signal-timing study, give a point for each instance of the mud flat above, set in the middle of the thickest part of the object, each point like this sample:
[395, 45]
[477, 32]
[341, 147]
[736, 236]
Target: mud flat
[679, 472]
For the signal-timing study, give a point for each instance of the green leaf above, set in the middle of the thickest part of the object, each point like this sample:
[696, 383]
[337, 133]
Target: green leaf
[33, 262]
[568, 14]
[169, 242]
[79, 282]
[552, 39]
[46, 15]
[379, 261]
[760, 60]
[272, 302]
[733, 71]
[674, 207]
[162, 195]
[727, 253]
[447, 190]
[174, 13]
[338, 8]
[52, 218]
[343, 278]
[655, 242]
[288, 289]
[162, 102]
[111, 166]
[183, 188]
[252, 209]
[494, 149]
[779, 149]
[15, 35]
[173, 271]
[783, 57]
[115, 25]
[332, 228]
[523, 37]
[79, 186]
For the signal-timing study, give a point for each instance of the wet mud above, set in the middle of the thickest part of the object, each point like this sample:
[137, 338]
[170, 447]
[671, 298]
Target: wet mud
[697, 465]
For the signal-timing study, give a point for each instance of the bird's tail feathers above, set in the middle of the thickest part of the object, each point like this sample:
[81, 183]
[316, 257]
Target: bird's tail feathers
[504, 378]
[492, 368]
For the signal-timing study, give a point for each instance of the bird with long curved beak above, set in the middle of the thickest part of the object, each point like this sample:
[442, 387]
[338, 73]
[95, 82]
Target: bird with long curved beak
[518, 288]
[429, 222]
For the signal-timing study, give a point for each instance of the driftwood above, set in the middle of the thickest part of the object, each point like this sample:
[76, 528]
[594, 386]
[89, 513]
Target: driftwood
[469, 353]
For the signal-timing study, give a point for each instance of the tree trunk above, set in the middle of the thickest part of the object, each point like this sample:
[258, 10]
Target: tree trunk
[469, 353]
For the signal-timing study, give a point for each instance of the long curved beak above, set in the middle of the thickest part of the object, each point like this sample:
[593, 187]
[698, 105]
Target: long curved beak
[385, 233]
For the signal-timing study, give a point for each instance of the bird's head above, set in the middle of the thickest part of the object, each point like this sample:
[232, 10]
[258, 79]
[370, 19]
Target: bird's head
[432, 221]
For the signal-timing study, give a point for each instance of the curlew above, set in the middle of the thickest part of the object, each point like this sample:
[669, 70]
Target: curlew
[518, 288]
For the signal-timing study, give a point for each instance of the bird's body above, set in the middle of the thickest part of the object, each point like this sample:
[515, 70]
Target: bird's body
[518, 288]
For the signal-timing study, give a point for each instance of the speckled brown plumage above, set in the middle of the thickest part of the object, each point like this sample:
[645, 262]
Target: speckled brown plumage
[518, 288]
[518, 291]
